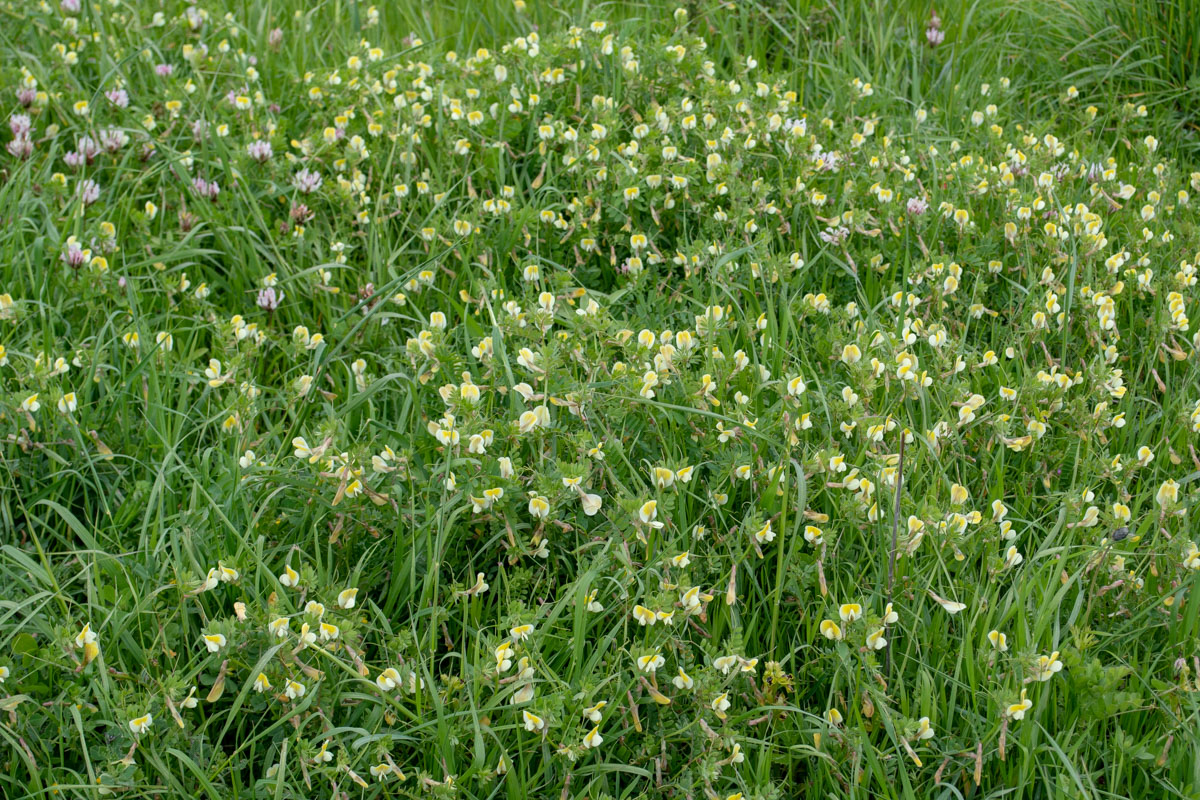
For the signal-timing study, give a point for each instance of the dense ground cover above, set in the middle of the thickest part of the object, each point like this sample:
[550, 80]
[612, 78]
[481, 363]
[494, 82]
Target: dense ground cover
[617, 406]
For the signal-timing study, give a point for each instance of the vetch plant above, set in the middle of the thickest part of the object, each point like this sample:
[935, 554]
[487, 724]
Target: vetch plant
[582, 414]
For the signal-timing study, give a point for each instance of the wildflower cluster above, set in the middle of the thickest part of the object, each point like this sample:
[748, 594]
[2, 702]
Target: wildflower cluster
[585, 409]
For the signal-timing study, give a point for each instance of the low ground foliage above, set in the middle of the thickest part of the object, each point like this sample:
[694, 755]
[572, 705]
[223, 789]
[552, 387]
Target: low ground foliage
[583, 416]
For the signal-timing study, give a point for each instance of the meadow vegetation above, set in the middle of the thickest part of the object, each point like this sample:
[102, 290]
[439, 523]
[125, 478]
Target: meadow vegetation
[731, 401]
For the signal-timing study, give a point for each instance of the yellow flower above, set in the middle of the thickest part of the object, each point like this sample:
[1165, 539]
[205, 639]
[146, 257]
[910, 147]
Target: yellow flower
[503, 653]
[213, 373]
[593, 739]
[720, 704]
[830, 629]
[539, 507]
[85, 636]
[663, 478]
[951, 606]
[388, 680]
[479, 587]
[1191, 558]
[591, 503]
[290, 577]
[1168, 494]
[651, 662]
[302, 450]
[1047, 666]
[1017, 710]
[593, 712]
[924, 729]
[213, 641]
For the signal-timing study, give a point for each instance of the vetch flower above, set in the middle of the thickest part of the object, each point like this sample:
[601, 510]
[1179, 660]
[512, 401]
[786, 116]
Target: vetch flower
[1046, 666]
[539, 507]
[1016, 711]
[764, 534]
[503, 655]
[593, 739]
[290, 577]
[951, 606]
[720, 705]
[533, 723]
[849, 612]
[346, 598]
[830, 630]
[924, 730]
[651, 662]
[388, 680]
[1167, 495]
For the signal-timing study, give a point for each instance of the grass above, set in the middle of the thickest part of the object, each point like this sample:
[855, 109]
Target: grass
[850, 376]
